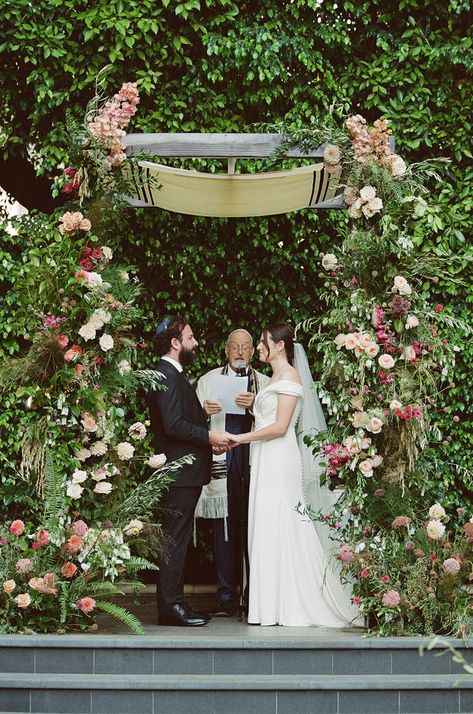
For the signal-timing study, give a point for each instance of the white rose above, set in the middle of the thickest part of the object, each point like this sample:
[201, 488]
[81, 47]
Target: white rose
[340, 340]
[365, 443]
[375, 204]
[351, 341]
[354, 212]
[395, 404]
[372, 349]
[377, 460]
[133, 527]
[411, 322]
[435, 529]
[402, 286]
[94, 280]
[107, 252]
[367, 193]
[386, 361]
[103, 487]
[375, 425]
[157, 461]
[329, 261]
[352, 445]
[87, 332]
[124, 367]
[367, 211]
[74, 490]
[101, 474]
[79, 476]
[82, 454]
[397, 165]
[106, 342]
[125, 451]
[366, 467]
[436, 511]
[99, 448]
[124, 276]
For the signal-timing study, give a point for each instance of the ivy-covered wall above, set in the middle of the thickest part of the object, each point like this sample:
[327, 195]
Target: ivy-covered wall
[223, 66]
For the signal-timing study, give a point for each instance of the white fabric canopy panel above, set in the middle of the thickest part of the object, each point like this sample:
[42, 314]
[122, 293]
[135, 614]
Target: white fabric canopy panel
[230, 195]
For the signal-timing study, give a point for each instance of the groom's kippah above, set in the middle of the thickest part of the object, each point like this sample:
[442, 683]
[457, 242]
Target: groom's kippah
[162, 326]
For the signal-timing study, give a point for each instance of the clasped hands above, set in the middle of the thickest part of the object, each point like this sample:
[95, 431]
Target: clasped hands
[222, 441]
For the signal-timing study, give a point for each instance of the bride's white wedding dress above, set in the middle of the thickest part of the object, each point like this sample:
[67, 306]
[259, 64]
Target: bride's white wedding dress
[290, 583]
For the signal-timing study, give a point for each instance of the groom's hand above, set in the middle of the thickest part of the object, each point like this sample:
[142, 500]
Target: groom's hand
[218, 438]
[245, 399]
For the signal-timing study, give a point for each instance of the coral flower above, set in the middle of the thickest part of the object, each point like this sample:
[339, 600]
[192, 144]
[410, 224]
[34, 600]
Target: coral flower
[86, 604]
[17, 528]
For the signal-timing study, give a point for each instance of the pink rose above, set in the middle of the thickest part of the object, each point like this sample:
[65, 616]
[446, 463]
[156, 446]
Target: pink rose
[80, 528]
[345, 554]
[375, 425]
[68, 570]
[364, 573]
[74, 544]
[43, 537]
[17, 528]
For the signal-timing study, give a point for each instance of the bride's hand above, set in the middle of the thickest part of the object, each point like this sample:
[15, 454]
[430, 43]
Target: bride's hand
[235, 439]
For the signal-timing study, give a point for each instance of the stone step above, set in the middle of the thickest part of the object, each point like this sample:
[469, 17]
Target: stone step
[202, 655]
[235, 694]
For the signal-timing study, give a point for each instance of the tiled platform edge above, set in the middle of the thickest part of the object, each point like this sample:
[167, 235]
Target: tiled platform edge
[189, 675]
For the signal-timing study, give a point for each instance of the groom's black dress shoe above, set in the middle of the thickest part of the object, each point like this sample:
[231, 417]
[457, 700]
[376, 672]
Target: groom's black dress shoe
[181, 616]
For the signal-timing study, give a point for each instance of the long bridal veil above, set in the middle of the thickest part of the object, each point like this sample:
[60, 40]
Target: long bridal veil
[317, 497]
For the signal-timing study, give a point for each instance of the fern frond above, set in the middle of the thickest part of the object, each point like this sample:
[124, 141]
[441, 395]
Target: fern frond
[127, 618]
[141, 564]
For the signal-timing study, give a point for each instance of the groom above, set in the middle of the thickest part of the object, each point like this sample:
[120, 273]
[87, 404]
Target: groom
[179, 427]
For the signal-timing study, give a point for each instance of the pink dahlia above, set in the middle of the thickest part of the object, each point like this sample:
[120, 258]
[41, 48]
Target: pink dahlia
[391, 598]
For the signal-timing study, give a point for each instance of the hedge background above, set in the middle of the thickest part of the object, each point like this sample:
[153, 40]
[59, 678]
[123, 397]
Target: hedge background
[219, 65]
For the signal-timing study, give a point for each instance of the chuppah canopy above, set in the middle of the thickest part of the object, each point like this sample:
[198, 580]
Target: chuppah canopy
[231, 195]
[228, 195]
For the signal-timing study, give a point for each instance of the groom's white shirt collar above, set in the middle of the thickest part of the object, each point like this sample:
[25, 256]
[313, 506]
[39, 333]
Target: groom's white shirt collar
[174, 363]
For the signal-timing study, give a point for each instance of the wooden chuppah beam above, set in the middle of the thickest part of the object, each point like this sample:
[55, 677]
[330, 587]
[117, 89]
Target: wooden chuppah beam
[213, 146]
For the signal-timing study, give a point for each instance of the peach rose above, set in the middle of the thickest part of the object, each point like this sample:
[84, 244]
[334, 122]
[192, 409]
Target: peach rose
[366, 467]
[74, 544]
[23, 600]
[372, 349]
[9, 586]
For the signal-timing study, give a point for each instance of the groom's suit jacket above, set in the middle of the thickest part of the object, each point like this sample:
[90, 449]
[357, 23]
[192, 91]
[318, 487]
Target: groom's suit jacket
[179, 426]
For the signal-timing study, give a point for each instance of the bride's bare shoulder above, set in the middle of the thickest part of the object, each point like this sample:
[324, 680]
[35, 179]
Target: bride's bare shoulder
[291, 374]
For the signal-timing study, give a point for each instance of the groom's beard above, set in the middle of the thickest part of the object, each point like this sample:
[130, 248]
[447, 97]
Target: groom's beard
[187, 357]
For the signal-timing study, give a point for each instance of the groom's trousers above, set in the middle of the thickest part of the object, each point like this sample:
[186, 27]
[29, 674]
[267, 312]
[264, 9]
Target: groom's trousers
[178, 506]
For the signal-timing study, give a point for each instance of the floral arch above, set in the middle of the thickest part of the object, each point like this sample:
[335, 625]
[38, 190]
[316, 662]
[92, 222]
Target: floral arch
[383, 356]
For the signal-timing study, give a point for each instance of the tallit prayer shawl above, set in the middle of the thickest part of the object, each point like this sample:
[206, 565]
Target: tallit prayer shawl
[230, 195]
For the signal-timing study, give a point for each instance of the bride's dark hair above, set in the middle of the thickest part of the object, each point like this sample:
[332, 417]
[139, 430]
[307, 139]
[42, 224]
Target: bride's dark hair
[280, 331]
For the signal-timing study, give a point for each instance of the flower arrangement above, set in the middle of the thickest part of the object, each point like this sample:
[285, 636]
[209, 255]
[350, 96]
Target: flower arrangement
[93, 525]
[385, 356]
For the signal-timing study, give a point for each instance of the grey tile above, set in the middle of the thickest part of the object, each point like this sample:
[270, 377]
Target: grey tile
[361, 661]
[307, 702]
[14, 700]
[429, 702]
[123, 661]
[16, 659]
[64, 661]
[243, 662]
[183, 662]
[73, 701]
[410, 662]
[361, 701]
[234, 702]
[176, 702]
[466, 701]
[122, 702]
[302, 662]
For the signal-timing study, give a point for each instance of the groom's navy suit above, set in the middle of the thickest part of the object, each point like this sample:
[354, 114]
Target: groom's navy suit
[180, 428]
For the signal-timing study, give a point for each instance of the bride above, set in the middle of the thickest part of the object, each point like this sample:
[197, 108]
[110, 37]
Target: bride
[291, 580]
